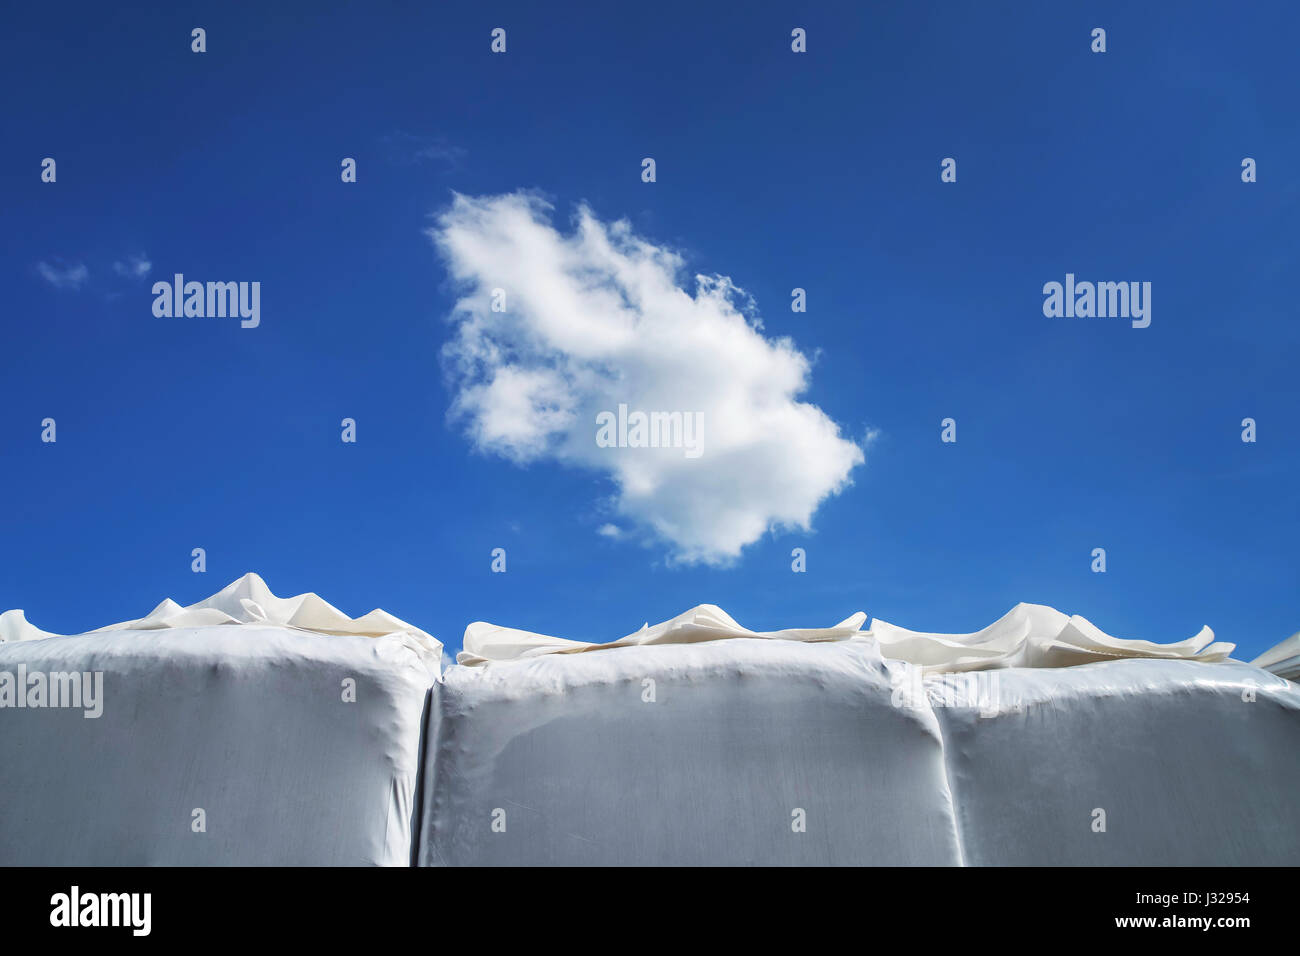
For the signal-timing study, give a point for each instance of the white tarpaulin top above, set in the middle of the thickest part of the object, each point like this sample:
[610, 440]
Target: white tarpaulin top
[1029, 635]
[485, 642]
[249, 601]
[1034, 635]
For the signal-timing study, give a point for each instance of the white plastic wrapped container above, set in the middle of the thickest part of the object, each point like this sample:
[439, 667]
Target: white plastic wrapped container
[1124, 763]
[245, 730]
[746, 749]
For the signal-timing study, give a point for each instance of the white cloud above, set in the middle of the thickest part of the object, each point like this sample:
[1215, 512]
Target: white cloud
[63, 276]
[135, 267]
[598, 318]
[610, 531]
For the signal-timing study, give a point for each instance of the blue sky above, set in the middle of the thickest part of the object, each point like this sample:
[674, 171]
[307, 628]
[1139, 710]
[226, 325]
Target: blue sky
[778, 170]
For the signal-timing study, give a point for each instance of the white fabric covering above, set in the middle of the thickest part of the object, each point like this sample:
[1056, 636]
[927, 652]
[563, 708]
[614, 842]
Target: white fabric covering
[695, 741]
[1042, 719]
[741, 733]
[246, 721]
[1193, 764]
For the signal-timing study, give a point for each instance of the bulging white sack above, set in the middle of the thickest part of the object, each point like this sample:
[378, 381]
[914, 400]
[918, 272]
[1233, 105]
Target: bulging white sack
[741, 751]
[230, 732]
[1123, 763]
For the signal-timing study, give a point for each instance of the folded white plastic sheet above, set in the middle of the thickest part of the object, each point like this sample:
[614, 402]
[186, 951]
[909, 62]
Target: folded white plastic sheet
[1033, 635]
[739, 751]
[485, 643]
[1282, 659]
[298, 746]
[1029, 635]
[1181, 763]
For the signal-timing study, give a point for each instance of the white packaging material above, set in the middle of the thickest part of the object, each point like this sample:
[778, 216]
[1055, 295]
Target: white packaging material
[245, 730]
[1123, 763]
[485, 643]
[1059, 744]
[1033, 635]
[1282, 659]
[249, 729]
[747, 750]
